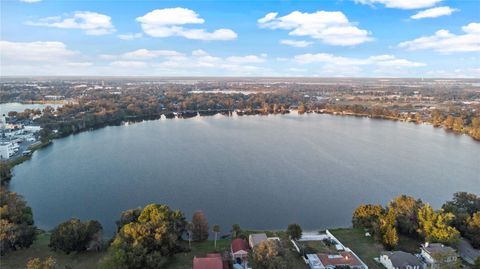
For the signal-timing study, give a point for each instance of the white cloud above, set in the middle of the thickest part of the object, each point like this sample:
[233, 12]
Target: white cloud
[41, 58]
[130, 36]
[30, 1]
[445, 42]
[129, 64]
[246, 59]
[296, 43]
[434, 12]
[80, 64]
[381, 60]
[402, 4]
[169, 22]
[149, 54]
[38, 51]
[91, 22]
[330, 27]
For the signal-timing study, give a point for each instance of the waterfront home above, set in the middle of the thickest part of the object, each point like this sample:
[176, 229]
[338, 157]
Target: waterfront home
[212, 261]
[438, 256]
[255, 239]
[329, 261]
[239, 250]
[400, 260]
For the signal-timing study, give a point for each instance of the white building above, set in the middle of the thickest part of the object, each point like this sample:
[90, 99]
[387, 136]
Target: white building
[6, 150]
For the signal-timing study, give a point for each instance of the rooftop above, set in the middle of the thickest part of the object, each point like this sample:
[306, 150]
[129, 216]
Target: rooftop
[437, 248]
[342, 258]
[239, 244]
[255, 239]
[401, 259]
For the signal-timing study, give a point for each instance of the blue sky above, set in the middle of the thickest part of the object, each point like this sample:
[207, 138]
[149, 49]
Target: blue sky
[360, 38]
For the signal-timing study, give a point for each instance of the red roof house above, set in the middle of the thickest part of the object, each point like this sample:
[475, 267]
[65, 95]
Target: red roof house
[239, 249]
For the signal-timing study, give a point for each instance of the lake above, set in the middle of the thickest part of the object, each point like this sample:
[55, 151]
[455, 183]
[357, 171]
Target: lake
[19, 107]
[262, 172]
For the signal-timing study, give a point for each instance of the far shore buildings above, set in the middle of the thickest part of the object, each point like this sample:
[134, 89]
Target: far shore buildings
[438, 256]
[400, 260]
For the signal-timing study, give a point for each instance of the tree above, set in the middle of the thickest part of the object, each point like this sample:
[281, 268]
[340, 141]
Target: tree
[458, 124]
[200, 226]
[406, 209]
[5, 172]
[216, 230]
[367, 216]
[147, 241]
[236, 230]
[74, 235]
[128, 216]
[433, 226]
[269, 255]
[473, 229]
[17, 229]
[294, 231]
[463, 206]
[477, 263]
[189, 229]
[37, 263]
[388, 230]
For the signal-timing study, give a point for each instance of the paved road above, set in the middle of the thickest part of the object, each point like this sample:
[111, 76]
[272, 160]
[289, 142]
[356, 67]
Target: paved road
[467, 252]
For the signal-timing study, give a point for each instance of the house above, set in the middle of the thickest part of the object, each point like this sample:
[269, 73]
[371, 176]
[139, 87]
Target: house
[342, 259]
[212, 261]
[438, 256]
[255, 239]
[400, 260]
[239, 250]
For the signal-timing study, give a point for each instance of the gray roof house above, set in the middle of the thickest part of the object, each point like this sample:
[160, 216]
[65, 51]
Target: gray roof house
[255, 239]
[438, 256]
[400, 260]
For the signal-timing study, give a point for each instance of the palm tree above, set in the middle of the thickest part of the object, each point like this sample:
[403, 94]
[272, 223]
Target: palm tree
[235, 230]
[216, 230]
[189, 228]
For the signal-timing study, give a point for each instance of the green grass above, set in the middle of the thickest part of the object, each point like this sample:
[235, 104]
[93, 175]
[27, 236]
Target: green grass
[39, 249]
[365, 247]
[318, 247]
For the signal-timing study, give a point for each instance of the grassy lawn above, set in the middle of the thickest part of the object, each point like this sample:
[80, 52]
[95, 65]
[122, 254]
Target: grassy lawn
[18, 259]
[365, 247]
[199, 249]
[318, 247]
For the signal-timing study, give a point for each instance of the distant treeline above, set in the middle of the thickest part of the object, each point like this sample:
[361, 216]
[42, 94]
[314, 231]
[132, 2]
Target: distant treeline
[107, 109]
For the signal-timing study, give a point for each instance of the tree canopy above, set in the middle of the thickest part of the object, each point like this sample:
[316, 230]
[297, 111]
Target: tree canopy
[200, 226]
[148, 240]
[37, 263]
[17, 229]
[74, 235]
[367, 216]
[434, 225]
[294, 231]
[268, 254]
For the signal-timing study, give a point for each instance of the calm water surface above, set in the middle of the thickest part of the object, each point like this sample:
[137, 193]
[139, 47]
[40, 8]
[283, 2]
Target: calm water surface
[261, 172]
[19, 107]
